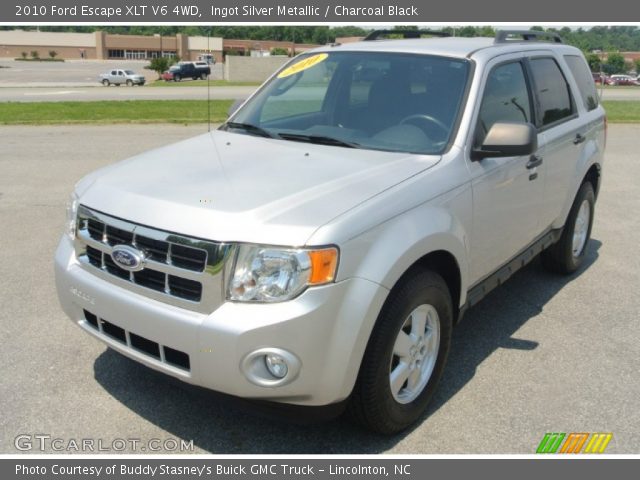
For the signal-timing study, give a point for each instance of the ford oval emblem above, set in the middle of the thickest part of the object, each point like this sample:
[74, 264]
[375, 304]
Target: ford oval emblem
[128, 258]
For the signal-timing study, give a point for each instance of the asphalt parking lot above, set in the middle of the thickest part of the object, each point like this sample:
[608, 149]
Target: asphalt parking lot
[541, 354]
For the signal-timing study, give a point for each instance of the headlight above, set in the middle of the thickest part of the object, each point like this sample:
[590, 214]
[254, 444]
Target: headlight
[271, 274]
[72, 211]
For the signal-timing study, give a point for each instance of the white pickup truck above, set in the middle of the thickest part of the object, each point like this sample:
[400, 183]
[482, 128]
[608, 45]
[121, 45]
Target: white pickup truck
[119, 77]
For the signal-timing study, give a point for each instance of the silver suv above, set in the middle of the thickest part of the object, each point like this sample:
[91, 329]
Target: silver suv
[318, 247]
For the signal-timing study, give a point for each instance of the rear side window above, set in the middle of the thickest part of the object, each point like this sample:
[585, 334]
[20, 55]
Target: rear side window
[505, 99]
[584, 79]
[552, 90]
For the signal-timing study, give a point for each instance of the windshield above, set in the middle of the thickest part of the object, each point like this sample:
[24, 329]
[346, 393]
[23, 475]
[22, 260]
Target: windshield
[129, 72]
[382, 101]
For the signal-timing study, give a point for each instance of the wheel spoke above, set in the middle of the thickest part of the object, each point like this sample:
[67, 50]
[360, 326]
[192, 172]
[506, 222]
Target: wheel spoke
[403, 345]
[398, 377]
[418, 323]
[414, 378]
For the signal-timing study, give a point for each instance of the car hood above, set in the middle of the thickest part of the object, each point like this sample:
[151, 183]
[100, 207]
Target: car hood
[235, 187]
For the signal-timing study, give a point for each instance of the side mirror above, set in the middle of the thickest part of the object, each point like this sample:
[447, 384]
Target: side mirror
[235, 106]
[508, 140]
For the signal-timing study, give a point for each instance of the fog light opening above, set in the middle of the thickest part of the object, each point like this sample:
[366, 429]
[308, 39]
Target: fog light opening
[271, 367]
[276, 365]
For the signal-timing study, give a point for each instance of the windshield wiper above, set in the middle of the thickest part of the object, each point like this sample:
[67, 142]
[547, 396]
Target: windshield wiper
[247, 127]
[319, 139]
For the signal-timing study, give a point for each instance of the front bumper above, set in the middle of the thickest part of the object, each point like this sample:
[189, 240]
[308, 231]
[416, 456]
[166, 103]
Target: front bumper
[326, 328]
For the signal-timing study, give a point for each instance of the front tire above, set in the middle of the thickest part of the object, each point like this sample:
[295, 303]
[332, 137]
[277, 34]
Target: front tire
[405, 355]
[105, 82]
[567, 254]
[129, 83]
[176, 78]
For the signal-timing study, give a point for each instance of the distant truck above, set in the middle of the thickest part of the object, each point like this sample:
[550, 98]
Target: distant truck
[194, 70]
[119, 77]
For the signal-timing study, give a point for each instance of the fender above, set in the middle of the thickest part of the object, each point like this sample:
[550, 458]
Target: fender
[383, 254]
[591, 154]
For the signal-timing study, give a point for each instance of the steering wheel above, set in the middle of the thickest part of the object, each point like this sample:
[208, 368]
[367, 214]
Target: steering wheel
[428, 118]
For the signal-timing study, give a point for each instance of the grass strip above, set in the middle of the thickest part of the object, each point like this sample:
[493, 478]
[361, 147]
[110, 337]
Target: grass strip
[127, 111]
[201, 83]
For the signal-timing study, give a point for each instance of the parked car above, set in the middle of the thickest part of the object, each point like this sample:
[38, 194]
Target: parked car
[121, 77]
[624, 80]
[318, 248]
[189, 70]
[601, 78]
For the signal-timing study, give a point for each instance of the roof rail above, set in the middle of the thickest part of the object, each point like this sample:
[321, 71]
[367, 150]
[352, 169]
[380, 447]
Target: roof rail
[376, 34]
[507, 36]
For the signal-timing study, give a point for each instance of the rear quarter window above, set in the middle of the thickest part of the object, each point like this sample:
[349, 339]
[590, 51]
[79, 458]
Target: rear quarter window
[552, 91]
[584, 79]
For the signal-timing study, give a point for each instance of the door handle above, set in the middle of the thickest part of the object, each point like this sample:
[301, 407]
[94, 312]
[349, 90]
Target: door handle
[534, 161]
[579, 139]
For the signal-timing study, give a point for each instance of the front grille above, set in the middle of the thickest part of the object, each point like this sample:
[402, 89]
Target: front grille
[141, 344]
[163, 252]
[180, 270]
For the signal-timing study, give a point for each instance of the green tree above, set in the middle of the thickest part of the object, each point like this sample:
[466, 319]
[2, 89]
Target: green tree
[53, 53]
[158, 65]
[615, 64]
[486, 31]
[595, 64]
[636, 64]
[279, 51]
[24, 55]
[35, 55]
[346, 31]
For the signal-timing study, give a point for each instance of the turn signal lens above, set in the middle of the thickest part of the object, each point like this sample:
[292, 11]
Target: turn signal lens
[323, 265]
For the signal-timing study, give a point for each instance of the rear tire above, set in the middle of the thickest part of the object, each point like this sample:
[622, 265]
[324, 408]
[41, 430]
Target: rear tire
[105, 82]
[400, 345]
[567, 254]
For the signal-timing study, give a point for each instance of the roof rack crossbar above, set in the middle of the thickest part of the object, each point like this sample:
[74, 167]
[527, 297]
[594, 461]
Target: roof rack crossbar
[377, 34]
[507, 36]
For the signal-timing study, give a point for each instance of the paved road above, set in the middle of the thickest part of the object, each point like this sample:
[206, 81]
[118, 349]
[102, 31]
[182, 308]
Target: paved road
[541, 354]
[92, 92]
[86, 94]
[621, 93]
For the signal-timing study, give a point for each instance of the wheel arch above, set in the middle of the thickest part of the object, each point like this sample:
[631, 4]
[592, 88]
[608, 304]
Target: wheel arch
[444, 263]
[593, 176]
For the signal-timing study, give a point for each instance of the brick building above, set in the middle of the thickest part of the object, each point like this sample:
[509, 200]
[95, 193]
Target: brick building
[104, 46]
